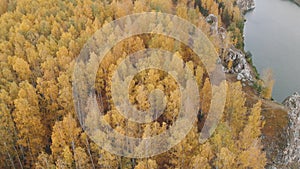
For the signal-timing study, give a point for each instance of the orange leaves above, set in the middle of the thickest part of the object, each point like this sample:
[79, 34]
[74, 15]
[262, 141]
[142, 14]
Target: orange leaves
[31, 133]
[65, 133]
[21, 67]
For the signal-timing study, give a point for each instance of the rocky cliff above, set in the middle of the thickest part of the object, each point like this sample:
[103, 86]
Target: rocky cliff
[291, 156]
[233, 60]
[281, 133]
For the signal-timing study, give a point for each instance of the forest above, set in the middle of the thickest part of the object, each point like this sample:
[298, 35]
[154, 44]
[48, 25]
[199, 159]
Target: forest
[39, 127]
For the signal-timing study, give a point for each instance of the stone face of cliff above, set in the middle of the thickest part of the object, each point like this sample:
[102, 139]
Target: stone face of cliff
[233, 60]
[281, 133]
[246, 5]
[291, 156]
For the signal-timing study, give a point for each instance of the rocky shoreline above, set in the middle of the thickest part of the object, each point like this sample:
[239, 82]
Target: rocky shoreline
[292, 152]
[233, 60]
[297, 2]
[290, 156]
[283, 147]
[246, 5]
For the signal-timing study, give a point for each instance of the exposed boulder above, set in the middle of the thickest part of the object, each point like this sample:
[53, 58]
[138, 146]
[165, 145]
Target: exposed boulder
[245, 5]
[213, 20]
[214, 29]
[235, 62]
[222, 32]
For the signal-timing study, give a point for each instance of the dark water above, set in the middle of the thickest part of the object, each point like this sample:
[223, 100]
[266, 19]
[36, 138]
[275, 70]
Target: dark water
[272, 34]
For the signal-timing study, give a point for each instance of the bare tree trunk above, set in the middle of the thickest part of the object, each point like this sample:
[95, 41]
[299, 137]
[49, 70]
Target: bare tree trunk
[21, 165]
[30, 152]
[9, 156]
[73, 148]
[89, 151]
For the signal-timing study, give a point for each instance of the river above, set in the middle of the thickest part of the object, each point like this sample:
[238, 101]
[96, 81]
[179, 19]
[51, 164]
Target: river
[272, 35]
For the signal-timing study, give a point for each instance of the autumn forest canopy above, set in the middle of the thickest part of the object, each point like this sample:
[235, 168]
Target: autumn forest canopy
[39, 127]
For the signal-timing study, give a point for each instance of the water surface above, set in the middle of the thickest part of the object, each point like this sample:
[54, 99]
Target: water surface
[272, 34]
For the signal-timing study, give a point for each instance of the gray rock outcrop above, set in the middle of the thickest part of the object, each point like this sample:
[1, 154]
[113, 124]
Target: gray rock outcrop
[245, 5]
[291, 157]
[213, 20]
[239, 64]
[214, 29]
